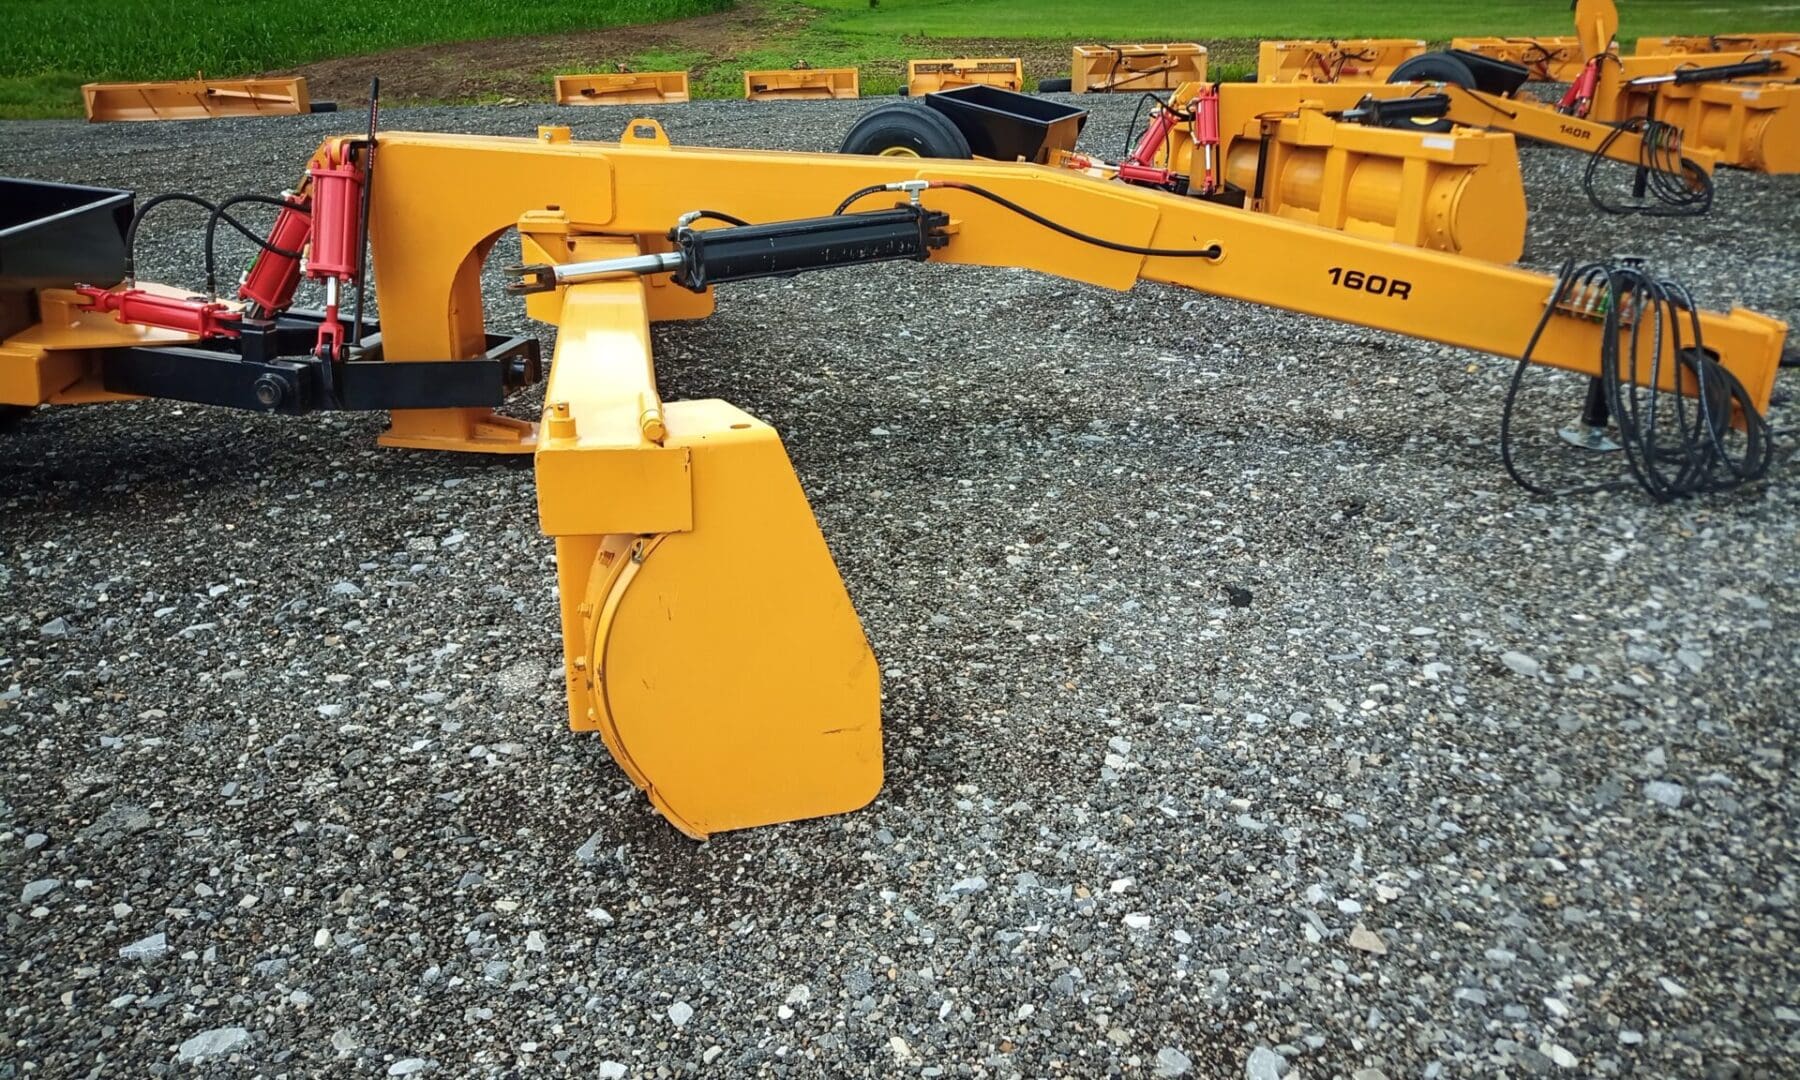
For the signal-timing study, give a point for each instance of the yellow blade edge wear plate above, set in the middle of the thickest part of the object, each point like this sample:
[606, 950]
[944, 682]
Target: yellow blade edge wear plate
[733, 681]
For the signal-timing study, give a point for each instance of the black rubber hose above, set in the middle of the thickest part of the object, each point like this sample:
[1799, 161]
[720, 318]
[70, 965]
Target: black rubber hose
[1674, 440]
[1211, 252]
[219, 214]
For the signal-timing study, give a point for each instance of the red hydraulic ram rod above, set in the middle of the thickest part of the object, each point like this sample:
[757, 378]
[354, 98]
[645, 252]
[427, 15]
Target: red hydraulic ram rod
[188, 314]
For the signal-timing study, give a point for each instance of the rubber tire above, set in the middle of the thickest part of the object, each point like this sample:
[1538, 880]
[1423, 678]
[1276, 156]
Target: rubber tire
[11, 416]
[1431, 67]
[1056, 86]
[921, 129]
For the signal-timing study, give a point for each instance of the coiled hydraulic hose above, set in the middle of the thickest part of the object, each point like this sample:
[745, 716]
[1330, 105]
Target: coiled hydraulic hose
[1676, 186]
[1678, 442]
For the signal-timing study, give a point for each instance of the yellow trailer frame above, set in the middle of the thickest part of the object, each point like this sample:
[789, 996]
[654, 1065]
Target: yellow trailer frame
[1548, 58]
[1111, 69]
[929, 76]
[802, 84]
[623, 88]
[1364, 60]
[195, 99]
[708, 637]
[1692, 45]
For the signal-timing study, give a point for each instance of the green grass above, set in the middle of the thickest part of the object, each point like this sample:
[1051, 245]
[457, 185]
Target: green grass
[51, 47]
[69, 44]
[1160, 20]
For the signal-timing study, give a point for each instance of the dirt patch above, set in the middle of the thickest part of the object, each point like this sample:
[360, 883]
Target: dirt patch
[521, 67]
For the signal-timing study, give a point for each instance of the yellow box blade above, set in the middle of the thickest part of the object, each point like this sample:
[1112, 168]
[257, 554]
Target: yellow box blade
[729, 673]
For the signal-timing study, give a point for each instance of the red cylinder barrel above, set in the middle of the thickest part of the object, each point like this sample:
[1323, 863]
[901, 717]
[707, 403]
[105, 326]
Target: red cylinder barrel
[273, 277]
[336, 202]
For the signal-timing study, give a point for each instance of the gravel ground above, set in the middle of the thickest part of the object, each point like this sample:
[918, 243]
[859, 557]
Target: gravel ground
[1242, 718]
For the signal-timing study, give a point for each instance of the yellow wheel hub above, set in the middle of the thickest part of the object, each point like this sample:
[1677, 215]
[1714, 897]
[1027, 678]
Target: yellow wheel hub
[899, 151]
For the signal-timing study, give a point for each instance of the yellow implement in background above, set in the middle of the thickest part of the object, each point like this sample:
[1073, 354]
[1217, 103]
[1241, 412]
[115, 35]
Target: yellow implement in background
[623, 88]
[195, 99]
[929, 76]
[1362, 60]
[1549, 58]
[1714, 43]
[1456, 191]
[1108, 69]
[801, 84]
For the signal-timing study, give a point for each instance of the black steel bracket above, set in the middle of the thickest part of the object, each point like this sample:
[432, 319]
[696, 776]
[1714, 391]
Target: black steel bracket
[269, 369]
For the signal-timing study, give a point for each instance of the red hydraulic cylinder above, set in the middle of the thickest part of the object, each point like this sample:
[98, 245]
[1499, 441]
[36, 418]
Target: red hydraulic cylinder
[1206, 134]
[272, 279]
[336, 206]
[336, 222]
[190, 315]
[1138, 168]
[1579, 98]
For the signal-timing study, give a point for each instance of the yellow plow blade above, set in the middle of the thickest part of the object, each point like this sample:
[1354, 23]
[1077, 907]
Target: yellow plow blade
[708, 637]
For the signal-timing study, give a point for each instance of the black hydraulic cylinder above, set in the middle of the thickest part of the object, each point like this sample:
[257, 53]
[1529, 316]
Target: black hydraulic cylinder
[1726, 71]
[782, 248]
[1379, 112]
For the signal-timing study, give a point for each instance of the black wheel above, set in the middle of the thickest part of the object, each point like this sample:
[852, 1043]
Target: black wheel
[906, 131]
[11, 415]
[1431, 67]
[1055, 86]
[1434, 67]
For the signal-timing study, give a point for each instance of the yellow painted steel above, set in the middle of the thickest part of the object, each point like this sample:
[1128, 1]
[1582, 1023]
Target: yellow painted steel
[1748, 125]
[1107, 69]
[1459, 191]
[929, 76]
[1787, 60]
[1548, 58]
[427, 256]
[53, 362]
[1242, 105]
[708, 637]
[1714, 43]
[195, 99]
[802, 84]
[1352, 60]
[623, 88]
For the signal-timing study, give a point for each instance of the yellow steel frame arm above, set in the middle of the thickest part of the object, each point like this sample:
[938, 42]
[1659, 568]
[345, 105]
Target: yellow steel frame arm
[428, 251]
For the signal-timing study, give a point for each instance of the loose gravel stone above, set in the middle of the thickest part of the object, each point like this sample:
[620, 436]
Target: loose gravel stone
[1172, 1062]
[1264, 1064]
[37, 890]
[1148, 575]
[216, 1043]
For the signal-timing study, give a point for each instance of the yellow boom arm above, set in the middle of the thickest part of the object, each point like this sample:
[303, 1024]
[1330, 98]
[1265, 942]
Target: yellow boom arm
[708, 636]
